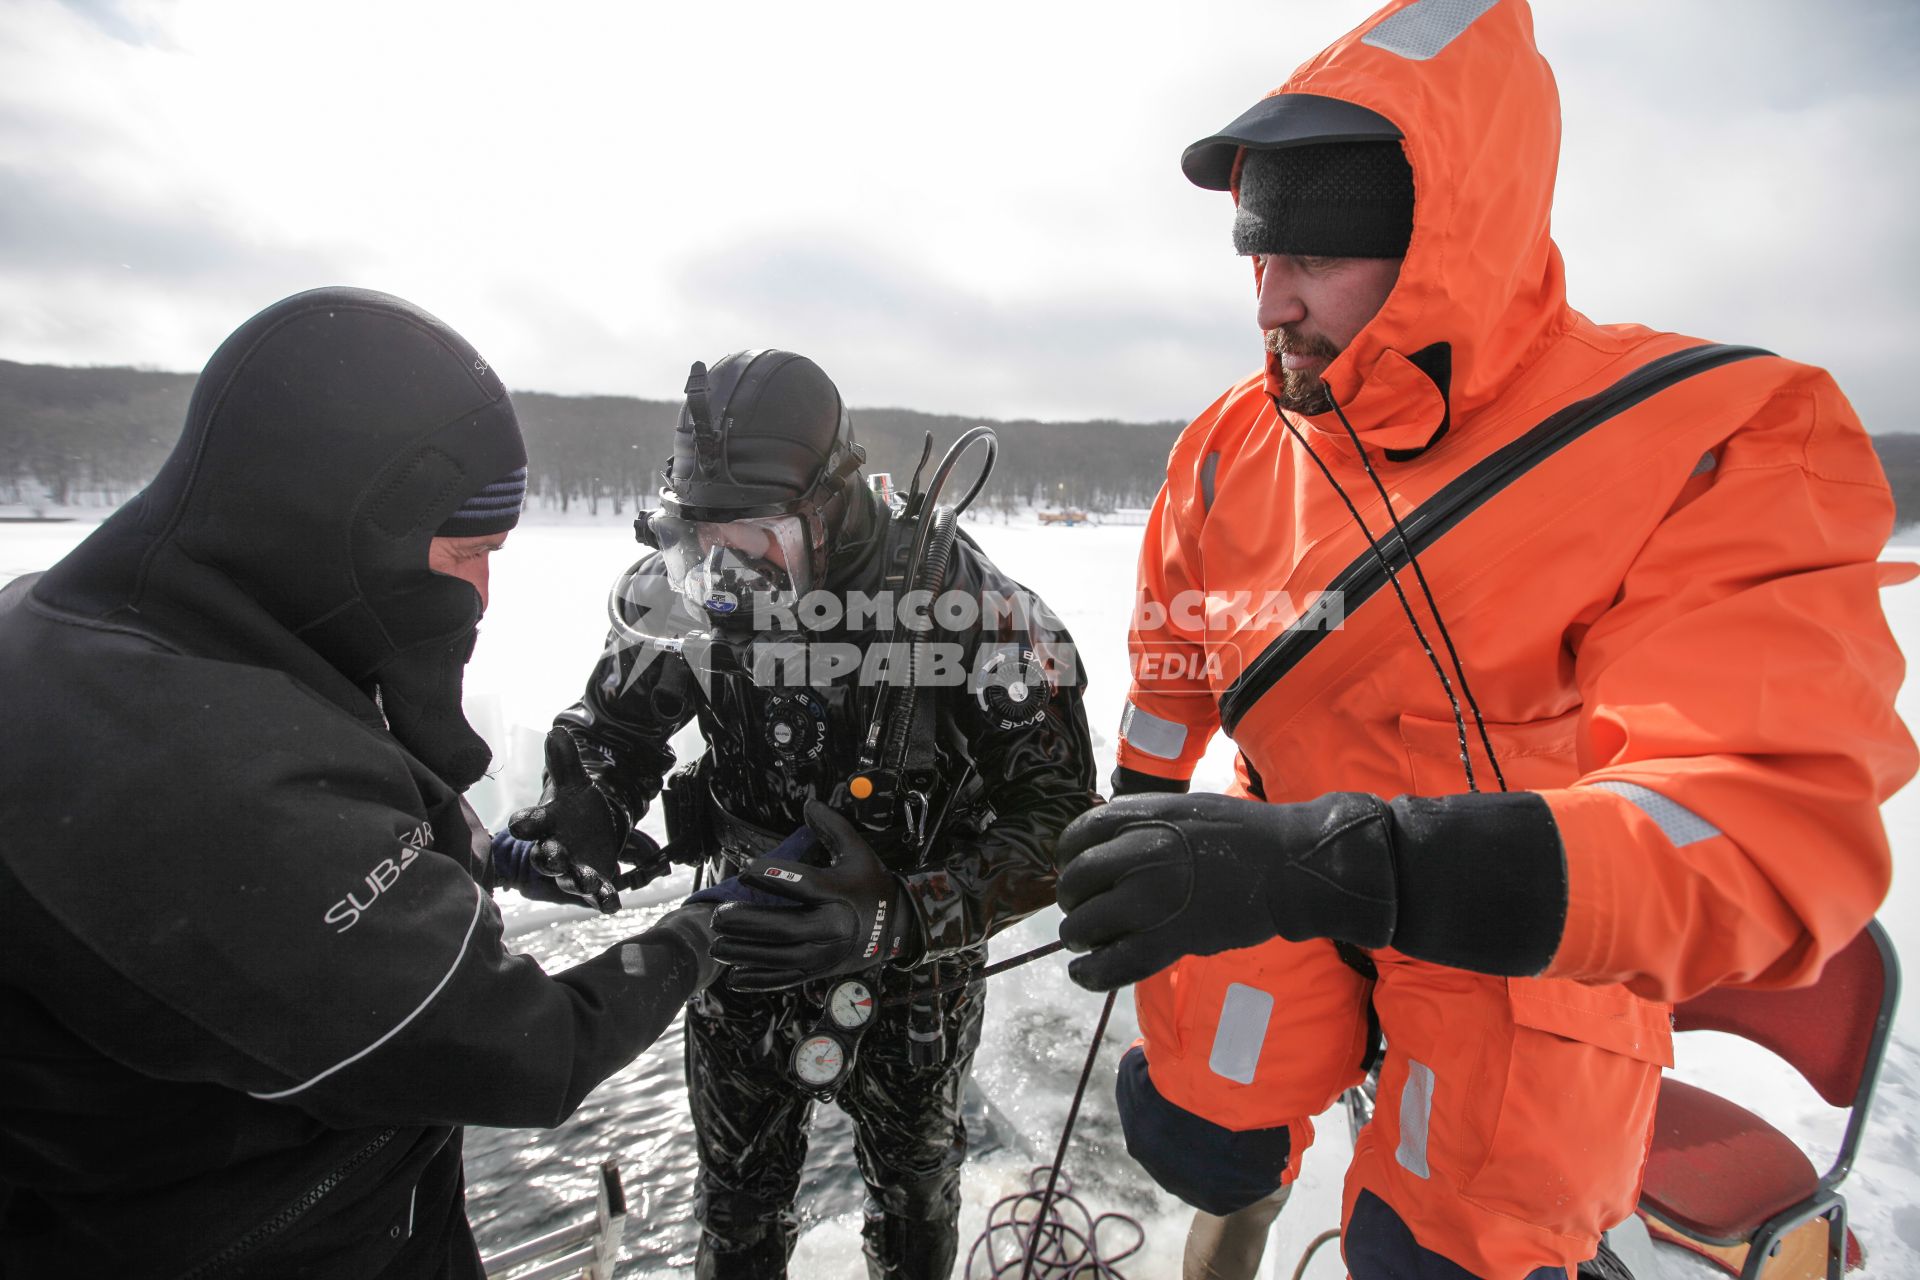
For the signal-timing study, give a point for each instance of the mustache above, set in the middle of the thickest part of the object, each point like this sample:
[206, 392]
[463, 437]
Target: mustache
[1294, 342]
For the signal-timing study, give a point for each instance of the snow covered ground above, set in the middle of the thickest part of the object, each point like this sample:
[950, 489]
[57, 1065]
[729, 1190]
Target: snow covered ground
[538, 642]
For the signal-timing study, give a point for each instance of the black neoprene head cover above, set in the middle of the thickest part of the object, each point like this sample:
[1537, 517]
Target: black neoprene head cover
[327, 441]
[774, 417]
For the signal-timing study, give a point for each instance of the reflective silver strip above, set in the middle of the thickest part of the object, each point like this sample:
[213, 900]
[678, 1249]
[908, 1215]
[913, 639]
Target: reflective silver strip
[1207, 470]
[1416, 1110]
[1148, 733]
[480, 899]
[1707, 463]
[1425, 27]
[1244, 1015]
[1677, 823]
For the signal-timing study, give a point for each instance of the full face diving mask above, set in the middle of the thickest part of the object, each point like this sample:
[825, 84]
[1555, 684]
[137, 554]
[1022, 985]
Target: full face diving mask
[735, 571]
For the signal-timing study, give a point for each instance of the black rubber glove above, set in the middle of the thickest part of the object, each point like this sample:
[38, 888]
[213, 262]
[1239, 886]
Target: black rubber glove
[852, 914]
[513, 869]
[579, 831]
[1471, 881]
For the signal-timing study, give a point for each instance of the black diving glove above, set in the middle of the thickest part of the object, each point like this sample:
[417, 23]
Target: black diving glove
[1470, 881]
[851, 914]
[581, 833]
[513, 868]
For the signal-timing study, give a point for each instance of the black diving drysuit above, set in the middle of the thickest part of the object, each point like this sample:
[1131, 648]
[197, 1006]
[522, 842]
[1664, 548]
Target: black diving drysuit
[251, 983]
[1012, 749]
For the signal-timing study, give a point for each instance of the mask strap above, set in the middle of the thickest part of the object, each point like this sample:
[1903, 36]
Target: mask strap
[707, 439]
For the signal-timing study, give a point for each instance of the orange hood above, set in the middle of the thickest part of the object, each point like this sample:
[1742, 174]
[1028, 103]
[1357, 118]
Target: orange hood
[1482, 288]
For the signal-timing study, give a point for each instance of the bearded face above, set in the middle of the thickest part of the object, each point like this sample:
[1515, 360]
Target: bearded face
[1310, 310]
[1302, 390]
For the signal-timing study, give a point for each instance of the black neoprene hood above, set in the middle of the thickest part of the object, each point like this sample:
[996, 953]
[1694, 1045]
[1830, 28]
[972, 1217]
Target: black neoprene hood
[761, 434]
[326, 441]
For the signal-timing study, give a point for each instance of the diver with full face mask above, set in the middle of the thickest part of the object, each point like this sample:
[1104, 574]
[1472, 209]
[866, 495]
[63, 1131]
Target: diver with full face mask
[888, 816]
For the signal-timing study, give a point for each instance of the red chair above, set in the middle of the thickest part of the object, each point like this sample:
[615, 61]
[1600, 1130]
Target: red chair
[1720, 1175]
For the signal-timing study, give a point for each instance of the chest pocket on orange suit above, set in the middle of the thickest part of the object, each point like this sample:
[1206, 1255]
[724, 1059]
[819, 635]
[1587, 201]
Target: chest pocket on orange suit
[1536, 756]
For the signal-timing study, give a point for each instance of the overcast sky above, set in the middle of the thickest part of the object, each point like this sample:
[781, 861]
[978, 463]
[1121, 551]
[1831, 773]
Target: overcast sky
[970, 209]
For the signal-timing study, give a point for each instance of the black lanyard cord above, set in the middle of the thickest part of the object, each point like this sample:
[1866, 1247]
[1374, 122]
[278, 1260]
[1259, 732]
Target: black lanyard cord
[1373, 544]
[1446, 638]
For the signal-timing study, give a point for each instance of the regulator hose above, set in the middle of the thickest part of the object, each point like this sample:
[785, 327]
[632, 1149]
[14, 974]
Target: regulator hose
[632, 637]
[944, 523]
[886, 738]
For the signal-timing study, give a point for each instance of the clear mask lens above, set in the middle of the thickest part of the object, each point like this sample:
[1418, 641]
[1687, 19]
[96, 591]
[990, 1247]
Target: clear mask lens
[725, 570]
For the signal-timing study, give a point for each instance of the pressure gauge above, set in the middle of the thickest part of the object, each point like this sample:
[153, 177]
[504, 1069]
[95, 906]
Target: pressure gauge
[819, 1061]
[850, 1005]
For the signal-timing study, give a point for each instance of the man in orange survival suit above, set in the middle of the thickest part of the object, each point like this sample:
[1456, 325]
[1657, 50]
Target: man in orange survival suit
[1654, 766]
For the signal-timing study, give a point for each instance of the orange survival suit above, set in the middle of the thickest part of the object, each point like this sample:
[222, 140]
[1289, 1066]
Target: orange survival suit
[1656, 560]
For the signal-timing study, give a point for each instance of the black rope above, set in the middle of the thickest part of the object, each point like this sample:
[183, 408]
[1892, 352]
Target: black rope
[1072, 1250]
[1066, 1135]
[992, 970]
[1044, 1238]
[1446, 637]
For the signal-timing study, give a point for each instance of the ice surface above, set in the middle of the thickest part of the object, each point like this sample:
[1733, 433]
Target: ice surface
[540, 638]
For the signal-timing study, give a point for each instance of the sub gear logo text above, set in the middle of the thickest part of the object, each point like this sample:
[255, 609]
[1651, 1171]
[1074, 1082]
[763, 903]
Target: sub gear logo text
[346, 913]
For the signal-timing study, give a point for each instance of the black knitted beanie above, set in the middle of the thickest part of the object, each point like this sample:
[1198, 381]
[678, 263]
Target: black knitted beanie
[1329, 199]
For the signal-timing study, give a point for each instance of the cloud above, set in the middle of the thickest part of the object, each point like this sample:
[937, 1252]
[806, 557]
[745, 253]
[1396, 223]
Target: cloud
[899, 333]
[948, 219]
[1736, 179]
[52, 225]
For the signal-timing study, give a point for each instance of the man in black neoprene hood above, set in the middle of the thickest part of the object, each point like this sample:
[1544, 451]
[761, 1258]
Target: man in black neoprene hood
[251, 979]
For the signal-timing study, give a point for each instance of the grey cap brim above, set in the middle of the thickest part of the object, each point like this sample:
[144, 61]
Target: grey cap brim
[1284, 120]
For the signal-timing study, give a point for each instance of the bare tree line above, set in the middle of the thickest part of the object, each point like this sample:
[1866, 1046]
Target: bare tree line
[91, 437]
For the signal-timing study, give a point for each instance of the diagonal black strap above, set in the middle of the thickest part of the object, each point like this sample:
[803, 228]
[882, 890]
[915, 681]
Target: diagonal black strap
[1460, 498]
